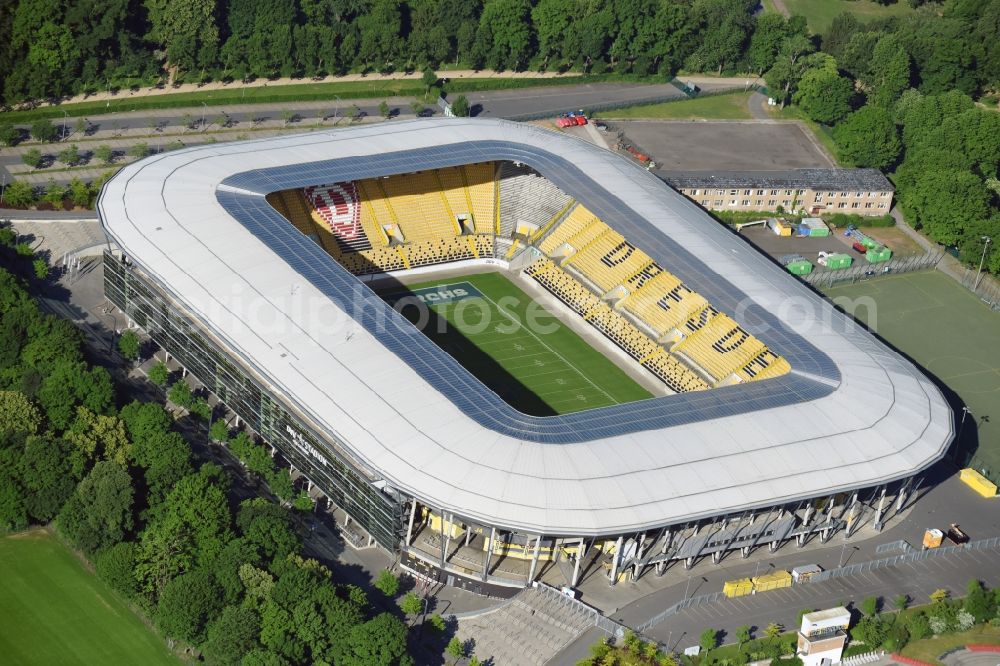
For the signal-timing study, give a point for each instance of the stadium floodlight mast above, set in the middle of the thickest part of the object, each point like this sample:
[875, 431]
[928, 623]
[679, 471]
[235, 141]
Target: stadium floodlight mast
[979, 274]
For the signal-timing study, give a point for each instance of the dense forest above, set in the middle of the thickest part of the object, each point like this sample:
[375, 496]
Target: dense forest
[50, 48]
[160, 526]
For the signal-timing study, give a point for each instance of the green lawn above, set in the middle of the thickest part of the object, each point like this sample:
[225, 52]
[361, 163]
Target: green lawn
[519, 350]
[954, 336]
[820, 13]
[733, 106]
[53, 611]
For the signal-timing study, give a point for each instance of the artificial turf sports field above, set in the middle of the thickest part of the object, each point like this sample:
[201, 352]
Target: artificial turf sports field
[53, 611]
[953, 335]
[532, 361]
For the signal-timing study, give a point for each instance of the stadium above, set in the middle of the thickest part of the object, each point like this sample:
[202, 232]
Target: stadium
[503, 351]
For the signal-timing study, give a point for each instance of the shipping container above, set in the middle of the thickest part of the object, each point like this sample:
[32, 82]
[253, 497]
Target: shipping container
[772, 581]
[978, 482]
[801, 267]
[805, 572]
[737, 588]
[836, 261]
[878, 254]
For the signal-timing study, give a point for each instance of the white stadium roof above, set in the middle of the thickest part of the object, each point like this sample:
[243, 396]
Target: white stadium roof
[852, 413]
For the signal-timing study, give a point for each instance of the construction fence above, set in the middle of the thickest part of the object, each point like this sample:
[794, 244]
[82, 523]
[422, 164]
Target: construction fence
[866, 271]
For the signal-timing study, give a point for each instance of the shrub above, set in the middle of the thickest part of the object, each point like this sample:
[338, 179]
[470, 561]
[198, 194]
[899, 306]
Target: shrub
[938, 624]
[41, 268]
[841, 220]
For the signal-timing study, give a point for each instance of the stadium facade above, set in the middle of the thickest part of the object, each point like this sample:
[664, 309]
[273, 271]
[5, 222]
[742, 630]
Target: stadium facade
[789, 424]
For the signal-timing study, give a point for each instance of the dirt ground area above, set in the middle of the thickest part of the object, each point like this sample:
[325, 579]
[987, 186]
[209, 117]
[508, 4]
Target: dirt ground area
[898, 241]
[725, 145]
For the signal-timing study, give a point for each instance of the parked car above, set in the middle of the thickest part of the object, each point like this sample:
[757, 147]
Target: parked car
[859, 248]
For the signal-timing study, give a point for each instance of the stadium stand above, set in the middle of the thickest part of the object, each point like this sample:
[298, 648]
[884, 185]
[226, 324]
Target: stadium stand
[451, 214]
[525, 196]
[480, 181]
[339, 212]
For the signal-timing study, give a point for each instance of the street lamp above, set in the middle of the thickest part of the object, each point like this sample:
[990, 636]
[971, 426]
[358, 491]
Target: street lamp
[987, 240]
[3, 186]
[841, 562]
[204, 108]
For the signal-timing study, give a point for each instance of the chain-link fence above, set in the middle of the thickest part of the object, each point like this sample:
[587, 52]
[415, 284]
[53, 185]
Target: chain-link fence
[984, 286]
[840, 572]
[866, 271]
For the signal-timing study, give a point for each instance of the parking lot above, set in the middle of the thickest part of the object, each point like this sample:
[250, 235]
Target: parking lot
[806, 247]
[725, 145]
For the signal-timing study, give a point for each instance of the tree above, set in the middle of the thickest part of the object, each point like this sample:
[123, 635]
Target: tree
[769, 33]
[187, 604]
[40, 269]
[268, 527]
[180, 393]
[99, 513]
[159, 374]
[944, 201]
[139, 150]
[187, 29]
[901, 602]
[387, 583]
[79, 193]
[383, 109]
[772, 631]
[32, 158]
[708, 640]
[105, 154]
[978, 602]
[429, 79]
[842, 28]
[116, 567]
[455, 649]
[81, 126]
[871, 631]
[788, 66]
[411, 604]
[742, 635]
[219, 431]
[19, 194]
[505, 36]
[18, 414]
[44, 131]
[870, 606]
[70, 155]
[824, 95]
[380, 641]
[128, 345]
[47, 476]
[460, 107]
[889, 72]
[868, 138]
[234, 634]
[918, 625]
[70, 384]
[54, 194]
[9, 135]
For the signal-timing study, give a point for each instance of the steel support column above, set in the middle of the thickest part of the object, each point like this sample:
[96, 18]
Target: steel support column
[614, 560]
[534, 560]
[488, 553]
[581, 551]
[409, 527]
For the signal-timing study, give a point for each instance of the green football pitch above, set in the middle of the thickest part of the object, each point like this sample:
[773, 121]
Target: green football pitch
[515, 347]
[53, 611]
[955, 337]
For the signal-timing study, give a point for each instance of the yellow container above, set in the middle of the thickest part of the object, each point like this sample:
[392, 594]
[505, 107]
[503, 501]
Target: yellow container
[773, 581]
[978, 482]
[738, 587]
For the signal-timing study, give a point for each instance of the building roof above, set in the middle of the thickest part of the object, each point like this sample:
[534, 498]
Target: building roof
[852, 413]
[838, 180]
